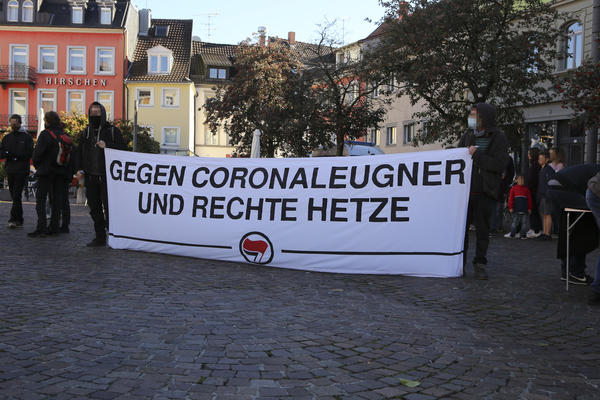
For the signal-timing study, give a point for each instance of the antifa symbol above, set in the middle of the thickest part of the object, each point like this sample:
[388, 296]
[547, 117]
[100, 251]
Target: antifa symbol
[256, 248]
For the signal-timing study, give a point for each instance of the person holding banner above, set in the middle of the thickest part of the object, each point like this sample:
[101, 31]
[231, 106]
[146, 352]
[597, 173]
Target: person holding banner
[98, 135]
[489, 148]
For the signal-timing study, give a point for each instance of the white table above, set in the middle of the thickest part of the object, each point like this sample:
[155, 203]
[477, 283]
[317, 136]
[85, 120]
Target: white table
[579, 213]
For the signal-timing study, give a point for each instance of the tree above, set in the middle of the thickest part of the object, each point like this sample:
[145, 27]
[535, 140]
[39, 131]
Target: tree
[343, 90]
[266, 93]
[454, 53]
[74, 124]
[580, 90]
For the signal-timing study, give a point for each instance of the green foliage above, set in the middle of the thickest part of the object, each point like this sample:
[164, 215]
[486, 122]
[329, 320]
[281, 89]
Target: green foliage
[580, 91]
[74, 124]
[454, 53]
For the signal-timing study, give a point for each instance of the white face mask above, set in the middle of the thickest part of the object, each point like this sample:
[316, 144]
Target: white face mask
[472, 123]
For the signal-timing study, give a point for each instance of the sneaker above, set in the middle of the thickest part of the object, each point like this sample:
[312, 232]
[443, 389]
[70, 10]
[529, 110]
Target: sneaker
[544, 238]
[578, 280]
[518, 236]
[19, 224]
[524, 237]
[37, 233]
[97, 242]
[509, 235]
[594, 299]
[480, 272]
[532, 235]
[11, 225]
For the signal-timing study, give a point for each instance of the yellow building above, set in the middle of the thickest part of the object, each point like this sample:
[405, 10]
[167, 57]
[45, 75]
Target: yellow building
[159, 80]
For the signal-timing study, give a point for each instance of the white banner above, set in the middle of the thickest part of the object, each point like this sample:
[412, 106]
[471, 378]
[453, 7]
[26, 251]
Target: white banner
[385, 214]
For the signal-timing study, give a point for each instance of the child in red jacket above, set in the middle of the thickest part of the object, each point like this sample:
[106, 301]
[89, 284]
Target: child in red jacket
[519, 204]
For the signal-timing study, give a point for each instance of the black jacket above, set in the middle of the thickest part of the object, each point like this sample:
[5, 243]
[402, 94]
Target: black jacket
[533, 176]
[488, 165]
[17, 148]
[45, 152]
[89, 157]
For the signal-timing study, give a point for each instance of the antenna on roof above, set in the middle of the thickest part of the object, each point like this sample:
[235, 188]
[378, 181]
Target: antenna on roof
[209, 25]
[344, 29]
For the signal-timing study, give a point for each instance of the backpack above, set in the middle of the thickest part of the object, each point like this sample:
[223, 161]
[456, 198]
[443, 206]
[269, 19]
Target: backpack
[65, 148]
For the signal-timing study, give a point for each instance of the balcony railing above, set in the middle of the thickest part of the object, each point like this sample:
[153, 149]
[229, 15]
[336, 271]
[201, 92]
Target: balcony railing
[17, 74]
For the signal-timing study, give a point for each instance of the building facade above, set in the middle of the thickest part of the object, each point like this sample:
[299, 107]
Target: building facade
[159, 82]
[211, 68]
[63, 55]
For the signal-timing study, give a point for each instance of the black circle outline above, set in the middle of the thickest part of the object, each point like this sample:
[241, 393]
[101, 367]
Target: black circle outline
[268, 241]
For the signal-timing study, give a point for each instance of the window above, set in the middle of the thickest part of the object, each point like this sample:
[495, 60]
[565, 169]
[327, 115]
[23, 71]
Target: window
[105, 60]
[352, 93]
[160, 60]
[424, 129]
[47, 60]
[76, 60]
[47, 100]
[409, 133]
[217, 73]
[573, 46]
[27, 11]
[145, 97]
[18, 103]
[373, 136]
[105, 16]
[170, 136]
[390, 135]
[75, 101]
[210, 138]
[19, 55]
[106, 99]
[161, 31]
[170, 97]
[374, 90]
[78, 15]
[13, 11]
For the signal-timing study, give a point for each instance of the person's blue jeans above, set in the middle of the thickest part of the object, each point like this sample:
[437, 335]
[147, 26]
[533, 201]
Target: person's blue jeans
[593, 203]
[519, 218]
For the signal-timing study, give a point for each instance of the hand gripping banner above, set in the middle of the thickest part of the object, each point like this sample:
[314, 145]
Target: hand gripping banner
[385, 214]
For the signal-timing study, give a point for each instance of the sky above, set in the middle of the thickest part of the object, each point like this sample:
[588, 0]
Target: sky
[238, 19]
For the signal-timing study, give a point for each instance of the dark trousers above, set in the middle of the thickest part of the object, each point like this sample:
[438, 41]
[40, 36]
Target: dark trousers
[16, 182]
[65, 209]
[535, 221]
[49, 185]
[97, 198]
[479, 213]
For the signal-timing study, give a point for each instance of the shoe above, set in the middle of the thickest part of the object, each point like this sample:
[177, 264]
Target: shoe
[594, 299]
[577, 280]
[97, 242]
[509, 235]
[480, 272]
[11, 225]
[532, 235]
[518, 236]
[37, 233]
[544, 238]
[524, 237]
[19, 224]
[63, 229]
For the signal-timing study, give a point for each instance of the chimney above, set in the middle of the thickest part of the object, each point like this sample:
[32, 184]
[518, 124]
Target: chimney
[145, 21]
[402, 9]
[262, 35]
[292, 37]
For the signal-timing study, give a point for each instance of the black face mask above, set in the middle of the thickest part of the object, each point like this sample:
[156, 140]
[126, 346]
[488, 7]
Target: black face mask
[95, 121]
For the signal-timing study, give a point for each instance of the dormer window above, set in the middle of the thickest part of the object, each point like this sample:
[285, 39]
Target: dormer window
[78, 15]
[160, 60]
[105, 16]
[27, 11]
[13, 11]
[161, 31]
[217, 73]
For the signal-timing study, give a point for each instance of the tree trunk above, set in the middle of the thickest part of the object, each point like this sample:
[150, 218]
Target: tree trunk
[339, 138]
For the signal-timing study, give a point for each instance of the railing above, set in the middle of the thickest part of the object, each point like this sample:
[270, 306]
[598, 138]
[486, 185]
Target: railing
[29, 122]
[17, 74]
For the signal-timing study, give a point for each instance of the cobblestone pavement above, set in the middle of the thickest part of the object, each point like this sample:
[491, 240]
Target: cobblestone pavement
[81, 323]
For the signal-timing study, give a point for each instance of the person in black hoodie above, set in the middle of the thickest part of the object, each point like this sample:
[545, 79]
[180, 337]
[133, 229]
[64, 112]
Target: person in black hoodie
[489, 148]
[17, 148]
[50, 175]
[98, 135]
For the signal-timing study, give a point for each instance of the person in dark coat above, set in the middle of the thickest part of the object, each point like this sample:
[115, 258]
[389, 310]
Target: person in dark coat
[98, 135]
[508, 176]
[489, 148]
[567, 190]
[50, 175]
[592, 197]
[16, 148]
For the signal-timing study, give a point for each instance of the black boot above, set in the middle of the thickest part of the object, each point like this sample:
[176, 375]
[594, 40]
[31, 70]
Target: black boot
[480, 272]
